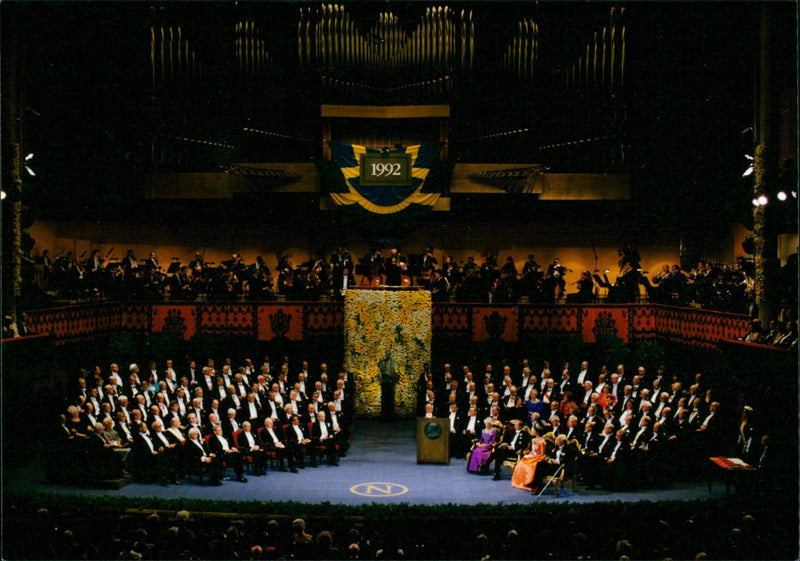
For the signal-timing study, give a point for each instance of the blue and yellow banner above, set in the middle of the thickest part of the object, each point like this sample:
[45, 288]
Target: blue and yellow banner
[346, 190]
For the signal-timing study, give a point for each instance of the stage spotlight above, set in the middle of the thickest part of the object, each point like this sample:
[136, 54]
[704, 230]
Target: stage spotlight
[781, 196]
[28, 158]
[750, 169]
[762, 200]
[755, 202]
[794, 194]
[2, 195]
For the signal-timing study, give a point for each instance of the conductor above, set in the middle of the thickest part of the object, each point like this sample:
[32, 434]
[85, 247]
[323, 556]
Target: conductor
[389, 376]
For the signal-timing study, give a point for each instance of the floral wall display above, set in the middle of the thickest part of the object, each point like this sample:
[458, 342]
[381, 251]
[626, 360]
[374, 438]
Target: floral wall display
[374, 321]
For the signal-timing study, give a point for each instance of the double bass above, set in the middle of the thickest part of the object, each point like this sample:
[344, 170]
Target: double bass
[405, 278]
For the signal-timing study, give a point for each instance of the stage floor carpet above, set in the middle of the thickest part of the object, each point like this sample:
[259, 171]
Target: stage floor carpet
[380, 467]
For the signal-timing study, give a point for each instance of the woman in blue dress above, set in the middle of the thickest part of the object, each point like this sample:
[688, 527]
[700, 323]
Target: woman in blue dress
[482, 453]
[534, 404]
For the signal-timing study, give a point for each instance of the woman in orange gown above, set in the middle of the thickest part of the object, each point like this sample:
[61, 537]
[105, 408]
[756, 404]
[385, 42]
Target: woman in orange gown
[526, 467]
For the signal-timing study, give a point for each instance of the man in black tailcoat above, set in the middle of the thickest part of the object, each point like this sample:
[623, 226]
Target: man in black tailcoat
[514, 442]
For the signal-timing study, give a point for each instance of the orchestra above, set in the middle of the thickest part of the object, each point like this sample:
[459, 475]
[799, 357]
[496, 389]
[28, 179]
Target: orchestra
[721, 287]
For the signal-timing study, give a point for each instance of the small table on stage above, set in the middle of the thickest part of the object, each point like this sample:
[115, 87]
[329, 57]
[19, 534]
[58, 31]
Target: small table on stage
[728, 467]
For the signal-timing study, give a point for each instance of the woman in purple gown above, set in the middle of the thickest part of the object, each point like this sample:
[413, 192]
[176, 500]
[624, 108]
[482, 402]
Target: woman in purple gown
[482, 453]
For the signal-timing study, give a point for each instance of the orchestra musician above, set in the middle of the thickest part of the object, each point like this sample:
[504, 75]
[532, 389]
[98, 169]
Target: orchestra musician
[376, 269]
[531, 276]
[129, 264]
[625, 287]
[585, 292]
[393, 270]
[285, 277]
[93, 268]
[555, 278]
[182, 285]
[260, 285]
[152, 263]
[429, 263]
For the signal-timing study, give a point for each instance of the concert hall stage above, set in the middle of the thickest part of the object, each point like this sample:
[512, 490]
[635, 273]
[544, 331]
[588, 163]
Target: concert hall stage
[383, 455]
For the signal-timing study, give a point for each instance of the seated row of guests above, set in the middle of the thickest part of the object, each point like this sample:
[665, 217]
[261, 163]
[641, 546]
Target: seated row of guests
[621, 403]
[654, 415]
[138, 429]
[156, 453]
[615, 457]
[223, 383]
[252, 396]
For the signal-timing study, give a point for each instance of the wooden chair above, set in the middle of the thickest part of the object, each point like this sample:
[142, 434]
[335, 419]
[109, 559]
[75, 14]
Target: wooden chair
[512, 462]
[570, 470]
[501, 431]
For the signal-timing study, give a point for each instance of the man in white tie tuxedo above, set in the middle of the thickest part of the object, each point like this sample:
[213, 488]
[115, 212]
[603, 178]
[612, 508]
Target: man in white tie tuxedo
[122, 405]
[324, 436]
[149, 459]
[299, 443]
[341, 427]
[124, 430]
[471, 429]
[323, 371]
[227, 376]
[173, 433]
[347, 281]
[251, 409]
[514, 442]
[230, 424]
[133, 371]
[201, 458]
[340, 387]
[209, 380]
[272, 441]
[192, 422]
[172, 451]
[248, 445]
[583, 375]
[240, 386]
[192, 375]
[116, 381]
[222, 447]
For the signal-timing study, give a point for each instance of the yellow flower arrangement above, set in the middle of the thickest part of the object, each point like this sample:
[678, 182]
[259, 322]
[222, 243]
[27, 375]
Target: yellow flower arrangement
[375, 321]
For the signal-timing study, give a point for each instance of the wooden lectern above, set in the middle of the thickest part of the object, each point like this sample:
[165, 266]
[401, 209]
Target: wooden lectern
[433, 441]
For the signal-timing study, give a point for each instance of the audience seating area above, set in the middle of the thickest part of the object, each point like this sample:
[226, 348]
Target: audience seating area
[726, 529]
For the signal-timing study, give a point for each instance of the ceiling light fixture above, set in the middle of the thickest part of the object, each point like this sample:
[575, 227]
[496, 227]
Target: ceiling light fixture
[28, 158]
